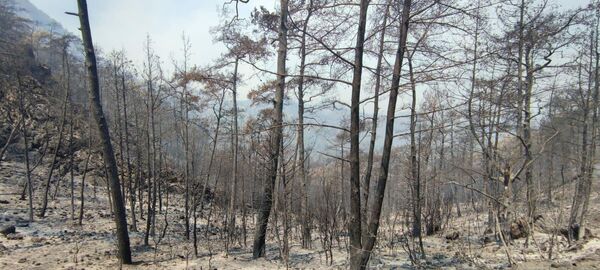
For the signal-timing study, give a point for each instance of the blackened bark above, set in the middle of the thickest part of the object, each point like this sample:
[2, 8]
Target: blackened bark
[28, 184]
[127, 151]
[369, 170]
[107, 149]
[58, 143]
[306, 220]
[375, 206]
[234, 175]
[354, 223]
[267, 200]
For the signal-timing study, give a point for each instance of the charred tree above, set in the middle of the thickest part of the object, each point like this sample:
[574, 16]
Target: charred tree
[120, 216]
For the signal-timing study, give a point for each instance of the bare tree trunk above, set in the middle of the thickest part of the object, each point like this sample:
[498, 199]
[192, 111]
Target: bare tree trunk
[81, 193]
[107, 149]
[582, 193]
[531, 198]
[231, 211]
[71, 165]
[283, 203]
[414, 169]
[186, 141]
[484, 144]
[160, 181]
[267, 200]
[45, 148]
[367, 178]
[26, 147]
[594, 128]
[187, 183]
[149, 180]
[376, 204]
[218, 114]
[343, 189]
[85, 170]
[150, 147]
[67, 84]
[195, 231]
[118, 129]
[60, 137]
[520, 69]
[155, 172]
[127, 151]
[357, 260]
[306, 219]
[138, 174]
[194, 205]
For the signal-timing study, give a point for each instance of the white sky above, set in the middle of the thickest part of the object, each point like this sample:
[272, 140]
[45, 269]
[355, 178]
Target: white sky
[123, 24]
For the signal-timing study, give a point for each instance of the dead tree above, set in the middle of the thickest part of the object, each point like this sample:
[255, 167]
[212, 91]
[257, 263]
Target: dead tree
[357, 260]
[22, 111]
[375, 205]
[65, 106]
[375, 118]
[127, 145]
[276, 138]
[414, 166]
[234, 141]
[120, 216]
[306, 220]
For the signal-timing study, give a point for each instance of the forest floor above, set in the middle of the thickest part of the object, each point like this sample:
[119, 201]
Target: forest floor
[57, 242]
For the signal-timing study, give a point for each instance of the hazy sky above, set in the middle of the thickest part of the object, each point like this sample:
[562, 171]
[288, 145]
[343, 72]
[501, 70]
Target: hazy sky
[124, 24]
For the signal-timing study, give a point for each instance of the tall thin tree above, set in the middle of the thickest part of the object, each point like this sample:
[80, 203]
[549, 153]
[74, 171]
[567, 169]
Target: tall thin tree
[120, 216]
[277, 130]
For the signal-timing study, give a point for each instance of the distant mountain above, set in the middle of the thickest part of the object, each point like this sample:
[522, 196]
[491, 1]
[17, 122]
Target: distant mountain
[38, 18]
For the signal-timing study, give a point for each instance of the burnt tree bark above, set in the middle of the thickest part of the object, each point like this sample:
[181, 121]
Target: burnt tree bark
[267, 200]
[60, 135]
[120, 216]
[378, 76]
[306, 220]
[354, 223]
[376, 203]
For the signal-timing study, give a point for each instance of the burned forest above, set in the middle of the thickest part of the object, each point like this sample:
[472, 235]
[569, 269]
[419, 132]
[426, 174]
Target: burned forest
[299, 134]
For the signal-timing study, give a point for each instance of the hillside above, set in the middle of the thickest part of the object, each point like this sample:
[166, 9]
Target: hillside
[58, 242]
[39, 19]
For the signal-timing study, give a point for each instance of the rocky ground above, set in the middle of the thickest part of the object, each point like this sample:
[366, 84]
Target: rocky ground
[57, 242]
